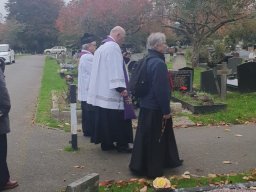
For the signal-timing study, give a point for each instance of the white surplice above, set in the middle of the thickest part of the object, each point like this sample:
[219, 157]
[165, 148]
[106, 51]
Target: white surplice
[107, 74]
[84, 73]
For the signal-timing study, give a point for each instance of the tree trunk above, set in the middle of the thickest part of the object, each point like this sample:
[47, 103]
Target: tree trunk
[195, 54]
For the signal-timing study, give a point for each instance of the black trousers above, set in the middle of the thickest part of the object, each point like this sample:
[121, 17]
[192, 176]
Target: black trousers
[4, 172]
[83, 107]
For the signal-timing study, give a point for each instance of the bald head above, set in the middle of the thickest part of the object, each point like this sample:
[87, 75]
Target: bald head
[118, 33]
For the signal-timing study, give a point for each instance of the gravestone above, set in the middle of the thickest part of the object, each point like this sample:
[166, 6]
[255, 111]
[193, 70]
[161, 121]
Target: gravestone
[182, 78]
[223, 72]
[189, 69]
[233, 63]
[246, 74]
[210, 83]
[179, 61]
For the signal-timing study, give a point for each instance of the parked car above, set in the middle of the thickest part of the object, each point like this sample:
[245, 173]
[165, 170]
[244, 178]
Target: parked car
[55, 50]
[7, 53]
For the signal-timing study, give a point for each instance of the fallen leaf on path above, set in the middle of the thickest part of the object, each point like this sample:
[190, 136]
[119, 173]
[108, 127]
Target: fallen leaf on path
[253, 187]
[238, 135]
[227, 130]
[133, 180]
[106, 183]
[79, 166]
[186, 175]
[226, 162]
[211, 175]
[144, 189]
[142, 181]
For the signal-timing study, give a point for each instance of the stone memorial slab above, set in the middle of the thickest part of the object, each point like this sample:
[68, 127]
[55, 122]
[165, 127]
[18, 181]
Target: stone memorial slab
[189, 69]
[210, 83]
[233, 63]
[182, 78]
[246, 74]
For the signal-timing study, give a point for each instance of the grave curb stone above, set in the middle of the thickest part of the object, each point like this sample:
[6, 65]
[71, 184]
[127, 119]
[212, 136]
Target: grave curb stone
[245, 186]
[89, 183]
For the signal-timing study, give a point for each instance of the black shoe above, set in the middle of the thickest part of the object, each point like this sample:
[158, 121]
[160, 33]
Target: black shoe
[105, 147]
[124, 150]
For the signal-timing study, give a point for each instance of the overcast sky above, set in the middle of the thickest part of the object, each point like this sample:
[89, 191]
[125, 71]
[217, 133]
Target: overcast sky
[2, 3]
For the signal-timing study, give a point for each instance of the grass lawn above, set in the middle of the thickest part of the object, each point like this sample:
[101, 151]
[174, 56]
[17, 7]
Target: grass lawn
[50, 81]
[241, 107]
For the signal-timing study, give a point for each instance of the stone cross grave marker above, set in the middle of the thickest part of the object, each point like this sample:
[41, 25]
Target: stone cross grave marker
[223, 72]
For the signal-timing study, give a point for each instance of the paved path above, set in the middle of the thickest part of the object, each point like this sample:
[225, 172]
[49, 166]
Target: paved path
[37, 159]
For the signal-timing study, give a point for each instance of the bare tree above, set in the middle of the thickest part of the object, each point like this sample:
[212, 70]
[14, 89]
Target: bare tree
[199, 19]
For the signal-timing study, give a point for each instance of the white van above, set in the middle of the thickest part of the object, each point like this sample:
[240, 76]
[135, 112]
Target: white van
[7, 53]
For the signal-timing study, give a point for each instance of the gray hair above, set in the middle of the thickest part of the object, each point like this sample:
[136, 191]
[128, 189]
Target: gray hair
[85, 46]
[154, 39]
[117, 29]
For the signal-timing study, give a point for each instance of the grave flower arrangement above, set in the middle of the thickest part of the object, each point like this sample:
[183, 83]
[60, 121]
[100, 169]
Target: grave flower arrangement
[162, 184]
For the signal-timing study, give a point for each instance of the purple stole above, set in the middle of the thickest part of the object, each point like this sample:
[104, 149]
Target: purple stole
[128, 107]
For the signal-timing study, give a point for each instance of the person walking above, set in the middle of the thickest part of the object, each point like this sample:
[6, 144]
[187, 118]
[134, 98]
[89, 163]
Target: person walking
[107, 91]
[154, 145]
[84, 73]
[5, 106]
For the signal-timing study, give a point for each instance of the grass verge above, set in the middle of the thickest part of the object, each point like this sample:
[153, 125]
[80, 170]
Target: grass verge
[179, 182]
[50, 81]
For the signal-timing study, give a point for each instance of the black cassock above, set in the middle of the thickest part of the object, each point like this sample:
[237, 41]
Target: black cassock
[152, 150]
[111, 127]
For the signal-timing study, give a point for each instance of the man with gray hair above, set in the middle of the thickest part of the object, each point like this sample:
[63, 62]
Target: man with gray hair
[107, 91]
[154, 145]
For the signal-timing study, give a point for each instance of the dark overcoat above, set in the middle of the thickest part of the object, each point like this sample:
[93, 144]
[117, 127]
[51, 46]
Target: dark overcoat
[5, 105]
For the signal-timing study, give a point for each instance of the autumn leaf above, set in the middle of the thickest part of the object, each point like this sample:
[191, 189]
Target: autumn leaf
[212, 175]
[144, 189]
[226, 162]
[106, 183]
[133, 180]
[186, 175]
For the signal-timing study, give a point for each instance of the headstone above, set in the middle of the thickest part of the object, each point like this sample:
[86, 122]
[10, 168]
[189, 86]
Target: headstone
[179, 61]
[246, 74]
[180, 79]
[233, 63]
[210, 83]
[223, 72]
[189, 69]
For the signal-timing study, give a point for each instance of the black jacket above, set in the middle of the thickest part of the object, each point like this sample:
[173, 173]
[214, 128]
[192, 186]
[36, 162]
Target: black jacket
[5, 105]
[159, 94]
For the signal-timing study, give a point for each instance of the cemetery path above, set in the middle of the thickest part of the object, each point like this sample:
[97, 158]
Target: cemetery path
[37, 160]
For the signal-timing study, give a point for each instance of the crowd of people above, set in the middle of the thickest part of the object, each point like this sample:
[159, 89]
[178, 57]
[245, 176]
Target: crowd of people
[107, 108]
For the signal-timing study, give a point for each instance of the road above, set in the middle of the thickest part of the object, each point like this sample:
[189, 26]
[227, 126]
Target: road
[37, 158]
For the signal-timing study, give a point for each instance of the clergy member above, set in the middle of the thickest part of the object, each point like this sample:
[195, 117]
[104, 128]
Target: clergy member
[84, 73]
[107, 90]
[155, 146]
